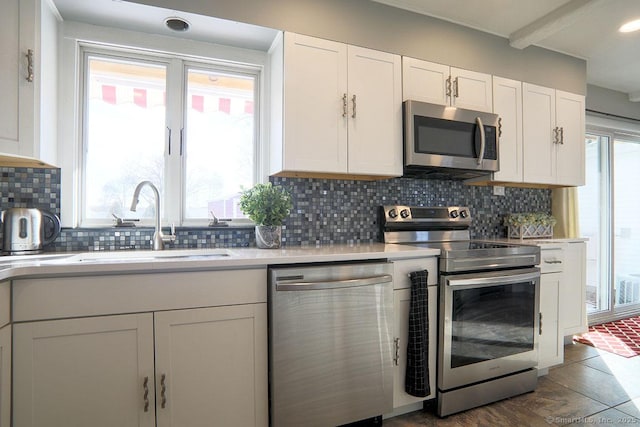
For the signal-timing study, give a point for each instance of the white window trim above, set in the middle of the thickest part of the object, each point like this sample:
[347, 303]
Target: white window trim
[70, 99]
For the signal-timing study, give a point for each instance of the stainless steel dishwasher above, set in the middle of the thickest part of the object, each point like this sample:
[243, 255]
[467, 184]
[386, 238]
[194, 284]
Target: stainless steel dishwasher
[330, 342]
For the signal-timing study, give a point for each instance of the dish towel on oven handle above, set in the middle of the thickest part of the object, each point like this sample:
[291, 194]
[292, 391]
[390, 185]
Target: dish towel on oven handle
[417, 373]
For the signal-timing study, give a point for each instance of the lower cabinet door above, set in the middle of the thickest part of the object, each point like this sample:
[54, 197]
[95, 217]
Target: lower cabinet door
[211, 366]
[551, 348]
[5, 376]
[401, 301]
[84, 372]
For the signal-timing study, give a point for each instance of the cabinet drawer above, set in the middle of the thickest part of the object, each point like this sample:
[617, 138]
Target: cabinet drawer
[402, 268]
[38, 299]
[551, 260]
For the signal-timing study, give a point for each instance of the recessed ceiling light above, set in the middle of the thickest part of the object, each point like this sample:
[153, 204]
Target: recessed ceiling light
[630, 26]
[177, 24]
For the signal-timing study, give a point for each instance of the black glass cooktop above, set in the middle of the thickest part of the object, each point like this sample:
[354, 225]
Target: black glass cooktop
[476, 248]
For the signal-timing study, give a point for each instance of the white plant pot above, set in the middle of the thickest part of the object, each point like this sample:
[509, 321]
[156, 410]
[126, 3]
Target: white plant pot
[268, 236]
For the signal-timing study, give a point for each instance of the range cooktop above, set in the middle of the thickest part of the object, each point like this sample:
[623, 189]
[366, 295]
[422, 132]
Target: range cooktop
[447, 229]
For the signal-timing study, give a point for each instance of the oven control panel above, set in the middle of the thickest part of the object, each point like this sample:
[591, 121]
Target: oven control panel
[422, 214]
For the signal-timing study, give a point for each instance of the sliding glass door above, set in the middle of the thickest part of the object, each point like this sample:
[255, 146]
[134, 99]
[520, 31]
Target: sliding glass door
[626, 239]
[608, 206]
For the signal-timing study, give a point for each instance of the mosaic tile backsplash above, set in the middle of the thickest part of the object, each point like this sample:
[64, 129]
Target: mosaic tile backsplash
[324, 212]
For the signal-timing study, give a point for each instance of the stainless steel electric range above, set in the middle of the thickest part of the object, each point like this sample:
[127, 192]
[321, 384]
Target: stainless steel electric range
[488, 308]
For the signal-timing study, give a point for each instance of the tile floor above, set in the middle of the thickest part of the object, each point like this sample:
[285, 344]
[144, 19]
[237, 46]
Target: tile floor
[592, 387]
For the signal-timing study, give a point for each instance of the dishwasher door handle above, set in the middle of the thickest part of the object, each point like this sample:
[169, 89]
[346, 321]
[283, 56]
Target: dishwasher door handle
[285, 285]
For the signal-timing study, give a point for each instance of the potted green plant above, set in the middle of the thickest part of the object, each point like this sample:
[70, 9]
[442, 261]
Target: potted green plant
[530, 225]
[266, 205]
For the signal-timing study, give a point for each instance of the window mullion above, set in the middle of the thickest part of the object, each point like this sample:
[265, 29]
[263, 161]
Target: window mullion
[173, 148]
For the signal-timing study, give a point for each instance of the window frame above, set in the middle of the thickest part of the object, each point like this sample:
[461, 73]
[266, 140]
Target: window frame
[80, 38]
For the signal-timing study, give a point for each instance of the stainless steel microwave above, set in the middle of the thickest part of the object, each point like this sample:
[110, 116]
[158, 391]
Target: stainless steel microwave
[441, 141]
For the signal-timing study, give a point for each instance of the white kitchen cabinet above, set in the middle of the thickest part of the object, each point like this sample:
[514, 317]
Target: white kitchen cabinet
[5, 376]
[440, 84]
[573, 290]
[570, 119]
[210, 366]
[401, 304]
[5, 354]
[507, 104]
[551, 340]
[551, 350]
[336, 109]
[28, 35]
[198, 338]
[553, 135]
[84, 372]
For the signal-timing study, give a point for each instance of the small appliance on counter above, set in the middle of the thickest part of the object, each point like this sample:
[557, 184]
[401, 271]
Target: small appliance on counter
[27, 230]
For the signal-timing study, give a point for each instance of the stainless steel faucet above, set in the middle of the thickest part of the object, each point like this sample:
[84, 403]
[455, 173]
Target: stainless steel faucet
[159, 239]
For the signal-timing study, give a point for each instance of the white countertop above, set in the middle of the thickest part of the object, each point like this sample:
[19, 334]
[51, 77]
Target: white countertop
[116, 262]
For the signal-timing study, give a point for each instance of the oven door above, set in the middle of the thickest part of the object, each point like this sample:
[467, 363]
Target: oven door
[488, 325]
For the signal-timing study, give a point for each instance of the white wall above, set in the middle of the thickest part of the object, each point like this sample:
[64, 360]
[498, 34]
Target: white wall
[611, 102]
[374, 25]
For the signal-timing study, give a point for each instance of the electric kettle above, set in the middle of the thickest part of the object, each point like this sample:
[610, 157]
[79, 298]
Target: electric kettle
[26, 230]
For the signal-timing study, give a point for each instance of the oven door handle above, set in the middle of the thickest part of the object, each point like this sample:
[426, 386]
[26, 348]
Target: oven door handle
[493, 280]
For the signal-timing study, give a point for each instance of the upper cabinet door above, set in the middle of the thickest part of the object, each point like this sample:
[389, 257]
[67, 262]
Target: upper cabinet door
[425, 81]
[539, 122]
[570, 119]
[507, 103]
[315, 119]
[375, 112]
[17, 108]
[440, 84]
[471, 90]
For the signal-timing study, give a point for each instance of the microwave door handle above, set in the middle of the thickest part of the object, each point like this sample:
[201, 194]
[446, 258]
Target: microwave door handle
[482, 140]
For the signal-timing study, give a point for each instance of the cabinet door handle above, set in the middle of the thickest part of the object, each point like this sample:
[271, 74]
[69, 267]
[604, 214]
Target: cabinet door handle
[553, 261]
[29, 56]
[562, 135]
[163, 391]
[539, 323]
[499, 127]
[448, 86]
[556, 138]
[169, 140]
[455, 88]
[396, 358]
[181, 140]
[344, 105]
[353, 100]
[145, 389]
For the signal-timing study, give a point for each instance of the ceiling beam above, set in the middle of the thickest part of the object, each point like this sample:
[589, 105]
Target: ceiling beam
[552, 22]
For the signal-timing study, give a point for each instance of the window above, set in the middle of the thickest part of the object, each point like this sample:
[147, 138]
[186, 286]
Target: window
[607, 206]
[188, 126]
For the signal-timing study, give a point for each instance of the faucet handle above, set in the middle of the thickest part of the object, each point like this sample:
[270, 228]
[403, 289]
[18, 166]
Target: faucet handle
[171, 237]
